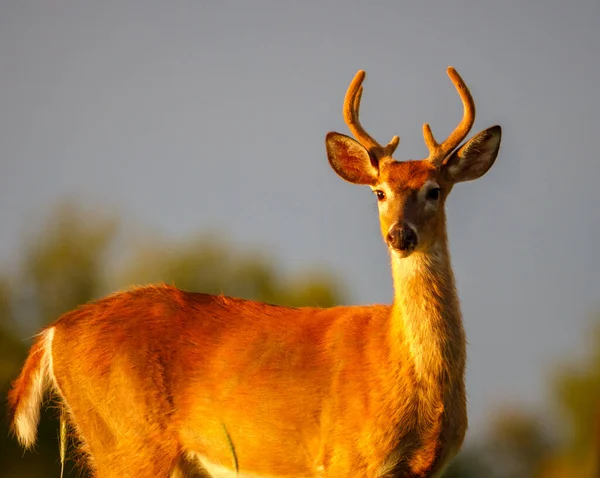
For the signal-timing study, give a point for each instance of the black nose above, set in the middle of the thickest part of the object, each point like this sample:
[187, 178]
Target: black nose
[402, 238]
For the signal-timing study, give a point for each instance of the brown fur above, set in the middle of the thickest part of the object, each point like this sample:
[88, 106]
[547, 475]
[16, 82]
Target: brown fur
[155, 377]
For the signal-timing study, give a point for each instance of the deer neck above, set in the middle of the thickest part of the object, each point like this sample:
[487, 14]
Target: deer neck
[426, 320]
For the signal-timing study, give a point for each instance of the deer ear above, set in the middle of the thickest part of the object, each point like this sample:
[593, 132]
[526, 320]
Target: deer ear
[350, 159]
[473, 159]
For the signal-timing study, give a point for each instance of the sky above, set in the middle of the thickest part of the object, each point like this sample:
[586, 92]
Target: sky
[189, 116]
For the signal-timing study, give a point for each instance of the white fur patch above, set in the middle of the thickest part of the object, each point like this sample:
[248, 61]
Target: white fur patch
[220, 471]
[28, 413]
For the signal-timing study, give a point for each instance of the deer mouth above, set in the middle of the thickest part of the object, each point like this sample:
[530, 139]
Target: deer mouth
[403, 253]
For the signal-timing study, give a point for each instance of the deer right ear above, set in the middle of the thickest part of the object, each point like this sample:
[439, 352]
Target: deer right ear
[474, 158]
[350, 159]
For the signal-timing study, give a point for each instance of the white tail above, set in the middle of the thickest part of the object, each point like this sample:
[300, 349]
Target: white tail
[28, 390]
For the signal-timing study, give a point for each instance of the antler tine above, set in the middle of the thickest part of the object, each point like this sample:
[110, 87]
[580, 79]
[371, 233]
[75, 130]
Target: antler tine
[438, 152]
[351, 114]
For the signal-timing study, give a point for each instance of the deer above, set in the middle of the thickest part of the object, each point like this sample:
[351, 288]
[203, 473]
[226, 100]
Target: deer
[159, 382]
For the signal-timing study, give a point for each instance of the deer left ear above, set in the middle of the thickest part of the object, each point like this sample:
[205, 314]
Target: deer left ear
[350, 159]
[473, 159]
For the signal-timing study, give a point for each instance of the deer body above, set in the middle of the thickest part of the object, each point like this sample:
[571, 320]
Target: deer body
[159, 382]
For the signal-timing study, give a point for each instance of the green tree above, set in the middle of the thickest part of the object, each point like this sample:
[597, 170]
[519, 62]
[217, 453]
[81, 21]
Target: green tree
[64, 264]
[208, 264]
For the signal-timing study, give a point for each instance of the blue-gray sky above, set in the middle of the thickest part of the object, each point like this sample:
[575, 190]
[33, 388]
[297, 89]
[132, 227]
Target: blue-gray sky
[184, 116]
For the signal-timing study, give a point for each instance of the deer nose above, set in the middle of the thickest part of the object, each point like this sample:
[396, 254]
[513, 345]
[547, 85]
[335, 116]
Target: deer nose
[402, 237]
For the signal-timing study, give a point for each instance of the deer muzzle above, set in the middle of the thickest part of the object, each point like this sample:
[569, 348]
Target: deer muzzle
[402, 238]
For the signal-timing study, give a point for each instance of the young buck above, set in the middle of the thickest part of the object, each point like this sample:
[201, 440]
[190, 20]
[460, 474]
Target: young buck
[159, 382]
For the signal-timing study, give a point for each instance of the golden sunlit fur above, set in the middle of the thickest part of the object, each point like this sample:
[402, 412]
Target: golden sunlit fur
[159, 382]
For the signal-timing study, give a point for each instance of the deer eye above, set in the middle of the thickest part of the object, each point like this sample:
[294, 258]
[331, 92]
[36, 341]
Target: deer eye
[433, 194]
[380, 194]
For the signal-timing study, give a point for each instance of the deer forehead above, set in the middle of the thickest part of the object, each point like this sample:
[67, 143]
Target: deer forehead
[408, 175]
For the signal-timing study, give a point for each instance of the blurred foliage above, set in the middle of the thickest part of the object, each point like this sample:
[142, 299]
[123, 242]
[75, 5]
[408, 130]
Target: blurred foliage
[63, 266]
[207, 264]
[578, 393]
[67, 262]
[520, 444]
[577, 396]
[514, 447]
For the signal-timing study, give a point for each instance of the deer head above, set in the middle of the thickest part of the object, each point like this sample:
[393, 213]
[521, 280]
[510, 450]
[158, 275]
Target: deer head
[411, 194]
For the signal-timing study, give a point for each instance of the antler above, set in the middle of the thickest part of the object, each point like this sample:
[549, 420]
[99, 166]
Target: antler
[351, 110]
[438, 152]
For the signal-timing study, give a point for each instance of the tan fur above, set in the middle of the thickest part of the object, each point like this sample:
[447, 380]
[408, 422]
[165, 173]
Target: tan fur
[160, 382]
